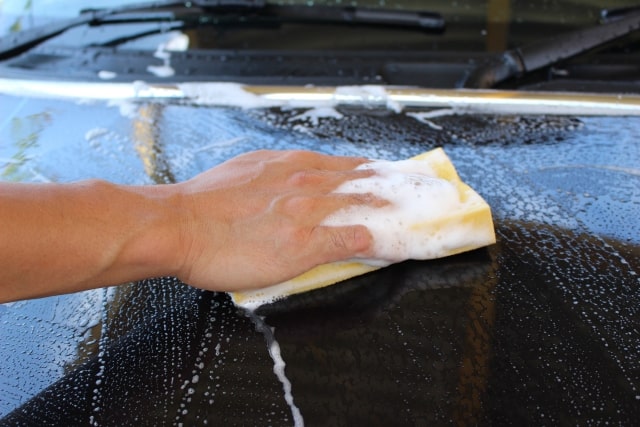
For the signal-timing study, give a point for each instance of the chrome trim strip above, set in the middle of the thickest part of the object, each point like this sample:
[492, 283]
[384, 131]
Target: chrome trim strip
[463, 101]
[396, 98]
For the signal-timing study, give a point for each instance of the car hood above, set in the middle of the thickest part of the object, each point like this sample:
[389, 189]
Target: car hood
[541, 327]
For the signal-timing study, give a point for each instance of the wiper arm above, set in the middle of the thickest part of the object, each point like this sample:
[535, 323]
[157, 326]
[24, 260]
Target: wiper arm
[611, 14]
[517, 62]
[17, 43]
[422, 20]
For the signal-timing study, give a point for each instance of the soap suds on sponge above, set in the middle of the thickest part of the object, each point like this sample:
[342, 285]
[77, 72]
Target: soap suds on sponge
[416, 194]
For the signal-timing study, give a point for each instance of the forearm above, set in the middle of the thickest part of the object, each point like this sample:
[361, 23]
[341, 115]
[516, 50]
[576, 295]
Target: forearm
[59, 238]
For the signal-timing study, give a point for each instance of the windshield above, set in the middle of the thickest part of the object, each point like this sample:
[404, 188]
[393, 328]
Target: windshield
[437, 44]
[492, 25]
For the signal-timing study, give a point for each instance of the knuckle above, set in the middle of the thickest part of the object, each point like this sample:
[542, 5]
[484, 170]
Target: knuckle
[303, 177]
[298, 206]
[367, 199]
[363, 198]
[339, 240]
[304, 157]
[362, 239]
[295, 155]
[356, 239]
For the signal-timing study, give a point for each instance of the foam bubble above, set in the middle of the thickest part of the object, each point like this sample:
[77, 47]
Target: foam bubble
[278, 365]
[315, 114]
[107, 75]
[161, 70]
[416, 195]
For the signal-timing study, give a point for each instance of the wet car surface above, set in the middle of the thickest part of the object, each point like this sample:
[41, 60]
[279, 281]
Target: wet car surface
[541, 328]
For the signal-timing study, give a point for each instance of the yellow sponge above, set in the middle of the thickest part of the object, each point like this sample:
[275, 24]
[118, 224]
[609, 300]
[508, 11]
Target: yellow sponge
[432, 214]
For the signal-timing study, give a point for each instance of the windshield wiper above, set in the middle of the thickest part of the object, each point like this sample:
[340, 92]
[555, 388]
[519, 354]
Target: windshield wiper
[520, 61]
[17, 43]
[611, 14]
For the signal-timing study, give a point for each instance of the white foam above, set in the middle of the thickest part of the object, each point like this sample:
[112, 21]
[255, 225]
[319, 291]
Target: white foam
[416, 195]
[422, 119]
[369, 95]
[128, 109]
[161, 70]
[107, 75]
[227, 94]
[278, 369]
[175, 42]
[94, 133]
[315, 114]
[419, 115]
[278, 365]
[321, 105]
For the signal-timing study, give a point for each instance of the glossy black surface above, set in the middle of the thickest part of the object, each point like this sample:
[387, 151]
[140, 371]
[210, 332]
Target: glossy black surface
[540, 328]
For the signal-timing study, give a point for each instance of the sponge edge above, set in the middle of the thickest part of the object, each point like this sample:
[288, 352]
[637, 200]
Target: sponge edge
[430, 227]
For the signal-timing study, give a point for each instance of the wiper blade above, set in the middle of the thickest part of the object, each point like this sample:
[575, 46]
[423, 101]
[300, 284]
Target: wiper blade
[17, 43]
[517, 62]
[612, 14]
[423, 20]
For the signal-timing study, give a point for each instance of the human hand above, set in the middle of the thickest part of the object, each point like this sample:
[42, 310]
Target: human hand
[251, 222]
[254, 220]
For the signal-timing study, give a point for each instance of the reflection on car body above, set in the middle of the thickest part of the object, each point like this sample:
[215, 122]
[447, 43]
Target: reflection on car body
[540, 328]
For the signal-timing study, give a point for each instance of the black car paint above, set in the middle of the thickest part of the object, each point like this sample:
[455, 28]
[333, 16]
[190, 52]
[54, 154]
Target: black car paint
[542, 327]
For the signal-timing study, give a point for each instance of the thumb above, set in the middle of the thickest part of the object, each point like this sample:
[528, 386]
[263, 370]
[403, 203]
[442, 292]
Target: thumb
[341, 243]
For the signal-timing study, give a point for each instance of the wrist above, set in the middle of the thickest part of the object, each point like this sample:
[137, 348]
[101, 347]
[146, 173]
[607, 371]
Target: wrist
[156, 238]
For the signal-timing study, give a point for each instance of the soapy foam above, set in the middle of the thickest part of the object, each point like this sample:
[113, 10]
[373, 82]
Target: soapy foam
[95, 133]
[367, 94]
[161, 70]
[107, 75]
[322, 275]
[278, 365]
[228, 94]
[176, 42]
[416, 195]
[278, 369]
[315, 114]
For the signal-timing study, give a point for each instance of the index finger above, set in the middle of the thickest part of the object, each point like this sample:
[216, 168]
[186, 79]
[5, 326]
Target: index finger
[320, 161]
